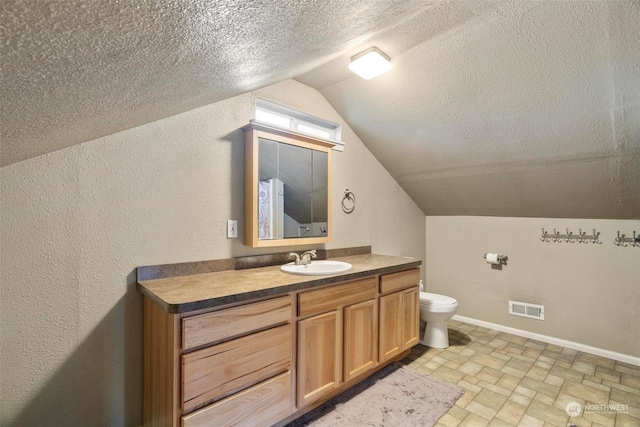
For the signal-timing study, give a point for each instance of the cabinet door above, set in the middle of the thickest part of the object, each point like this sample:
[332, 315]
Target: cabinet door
[360, 338]
[390, 325]
[319, 356]
[410, 318]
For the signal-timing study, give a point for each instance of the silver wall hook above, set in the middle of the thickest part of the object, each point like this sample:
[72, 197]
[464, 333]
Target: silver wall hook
[543, 236]
[568, 237]
[622, 240]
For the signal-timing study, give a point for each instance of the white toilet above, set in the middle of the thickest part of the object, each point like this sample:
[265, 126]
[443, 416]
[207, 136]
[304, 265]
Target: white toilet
[435, 310]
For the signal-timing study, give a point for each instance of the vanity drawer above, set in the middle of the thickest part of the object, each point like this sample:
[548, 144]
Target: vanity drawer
[219, 325]
[233, 365]
[322, 300]
[398, 281]
[261, 405]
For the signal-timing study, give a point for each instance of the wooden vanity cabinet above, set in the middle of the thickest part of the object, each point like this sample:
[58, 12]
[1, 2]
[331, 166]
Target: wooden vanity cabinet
[399, 313]
[338, 340]
[234, 366]
[342, 336]
[230, 367]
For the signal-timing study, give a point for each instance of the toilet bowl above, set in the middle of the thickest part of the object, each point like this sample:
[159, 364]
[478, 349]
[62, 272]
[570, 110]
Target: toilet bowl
[435, 310]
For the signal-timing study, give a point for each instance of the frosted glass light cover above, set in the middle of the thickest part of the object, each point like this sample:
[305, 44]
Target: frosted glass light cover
[370, 63]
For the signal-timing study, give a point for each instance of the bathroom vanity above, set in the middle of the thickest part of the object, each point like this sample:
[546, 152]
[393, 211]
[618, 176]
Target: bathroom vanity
[259, 347]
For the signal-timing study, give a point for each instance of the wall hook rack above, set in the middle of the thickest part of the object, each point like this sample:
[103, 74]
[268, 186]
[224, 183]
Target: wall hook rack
[569, 237]
[621, 240]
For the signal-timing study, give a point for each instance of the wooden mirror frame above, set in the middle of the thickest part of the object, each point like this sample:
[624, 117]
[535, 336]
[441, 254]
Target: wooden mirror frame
[253, 132]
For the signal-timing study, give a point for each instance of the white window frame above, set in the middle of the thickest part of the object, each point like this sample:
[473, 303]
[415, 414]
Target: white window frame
[333, 131]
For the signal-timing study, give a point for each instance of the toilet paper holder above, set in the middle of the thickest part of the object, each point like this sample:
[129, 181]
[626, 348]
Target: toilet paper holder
[502, 258]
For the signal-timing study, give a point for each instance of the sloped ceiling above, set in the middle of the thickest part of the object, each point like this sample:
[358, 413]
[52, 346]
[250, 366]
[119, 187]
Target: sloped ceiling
[505, 108]
[531, 109]
[75, 70]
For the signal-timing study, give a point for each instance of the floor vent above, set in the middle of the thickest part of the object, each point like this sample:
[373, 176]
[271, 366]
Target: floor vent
[532, 311]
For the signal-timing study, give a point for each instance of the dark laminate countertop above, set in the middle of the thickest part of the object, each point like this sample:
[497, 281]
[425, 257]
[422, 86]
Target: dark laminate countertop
[194, 292]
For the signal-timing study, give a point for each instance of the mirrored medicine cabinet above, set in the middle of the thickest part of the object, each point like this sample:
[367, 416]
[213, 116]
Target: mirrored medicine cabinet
[287, 187]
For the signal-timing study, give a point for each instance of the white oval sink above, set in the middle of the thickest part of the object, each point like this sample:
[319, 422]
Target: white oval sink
[317, 268]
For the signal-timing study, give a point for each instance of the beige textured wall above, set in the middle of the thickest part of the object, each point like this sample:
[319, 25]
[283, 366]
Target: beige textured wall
[591, 292]
[77, 222]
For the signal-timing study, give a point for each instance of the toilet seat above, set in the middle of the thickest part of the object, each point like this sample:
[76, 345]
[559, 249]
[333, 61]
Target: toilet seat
[429, 299]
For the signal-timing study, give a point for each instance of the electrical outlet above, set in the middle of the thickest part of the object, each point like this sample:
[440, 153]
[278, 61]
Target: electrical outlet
[232, 229]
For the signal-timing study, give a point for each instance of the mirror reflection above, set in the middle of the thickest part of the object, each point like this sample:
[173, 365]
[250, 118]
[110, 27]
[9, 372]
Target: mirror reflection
[292, 191]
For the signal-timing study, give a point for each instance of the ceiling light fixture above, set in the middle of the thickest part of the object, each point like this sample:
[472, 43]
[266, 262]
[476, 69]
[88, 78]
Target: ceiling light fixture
[370, 63]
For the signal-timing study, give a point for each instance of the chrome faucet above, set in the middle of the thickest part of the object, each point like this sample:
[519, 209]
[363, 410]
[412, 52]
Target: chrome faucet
[306, 257]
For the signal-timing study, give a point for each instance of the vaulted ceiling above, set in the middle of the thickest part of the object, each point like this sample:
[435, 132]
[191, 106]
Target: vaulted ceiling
[75, 70]
[505, 108]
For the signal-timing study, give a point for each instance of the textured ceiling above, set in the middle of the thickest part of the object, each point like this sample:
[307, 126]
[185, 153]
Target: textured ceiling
[527, 109]
[505, 108]
[75, 70]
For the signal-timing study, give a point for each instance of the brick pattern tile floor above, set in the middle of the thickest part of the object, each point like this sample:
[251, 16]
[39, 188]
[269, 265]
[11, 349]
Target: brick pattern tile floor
[514, 381]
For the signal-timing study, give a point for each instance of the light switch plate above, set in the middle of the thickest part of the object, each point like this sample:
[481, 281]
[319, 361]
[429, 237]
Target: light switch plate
[232, 229]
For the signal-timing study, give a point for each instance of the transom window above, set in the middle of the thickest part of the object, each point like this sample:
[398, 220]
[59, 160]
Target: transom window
[273, 114]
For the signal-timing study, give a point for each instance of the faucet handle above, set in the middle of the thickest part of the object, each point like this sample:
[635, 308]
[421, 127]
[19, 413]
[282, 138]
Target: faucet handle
[297, 258]
[306, 257]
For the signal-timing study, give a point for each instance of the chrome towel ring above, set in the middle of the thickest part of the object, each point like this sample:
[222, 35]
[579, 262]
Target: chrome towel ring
[348, 201]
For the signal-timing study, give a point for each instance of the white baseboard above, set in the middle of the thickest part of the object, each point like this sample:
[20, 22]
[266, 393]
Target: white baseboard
[551, 340]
